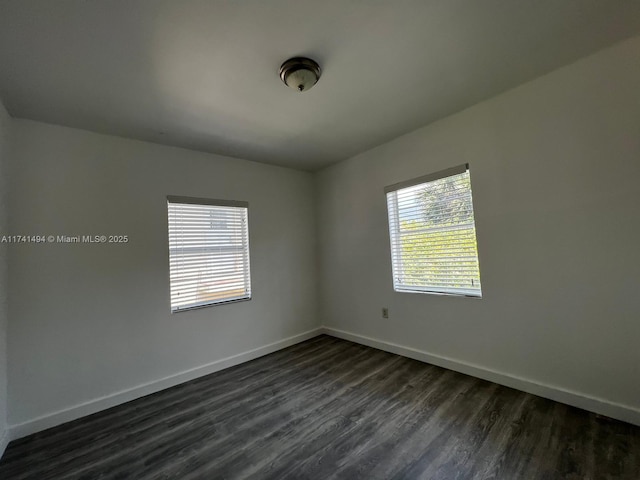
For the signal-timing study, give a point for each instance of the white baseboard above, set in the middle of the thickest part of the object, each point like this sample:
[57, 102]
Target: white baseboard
[601, 406]
[102, 403]
[597, 405]
[4, 441]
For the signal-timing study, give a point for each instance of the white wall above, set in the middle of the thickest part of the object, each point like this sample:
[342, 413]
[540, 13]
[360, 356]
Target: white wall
[555, 171]
[5, 125]
[90, 320]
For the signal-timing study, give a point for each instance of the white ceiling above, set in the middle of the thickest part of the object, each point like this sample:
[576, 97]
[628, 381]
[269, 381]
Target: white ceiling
[204, 74]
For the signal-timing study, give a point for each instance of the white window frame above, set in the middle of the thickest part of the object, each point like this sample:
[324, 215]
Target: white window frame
[400, 281]
[176, 248]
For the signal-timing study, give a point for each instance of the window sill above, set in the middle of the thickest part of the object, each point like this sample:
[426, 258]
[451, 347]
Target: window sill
[475, 295]
[211, 304]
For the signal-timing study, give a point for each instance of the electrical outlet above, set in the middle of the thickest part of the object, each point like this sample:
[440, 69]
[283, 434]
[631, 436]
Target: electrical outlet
[385, 312]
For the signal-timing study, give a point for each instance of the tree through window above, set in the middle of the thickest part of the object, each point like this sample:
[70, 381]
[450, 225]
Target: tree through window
[433, 236]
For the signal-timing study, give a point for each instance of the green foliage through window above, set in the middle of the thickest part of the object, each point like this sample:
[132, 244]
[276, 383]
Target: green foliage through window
[433, 239]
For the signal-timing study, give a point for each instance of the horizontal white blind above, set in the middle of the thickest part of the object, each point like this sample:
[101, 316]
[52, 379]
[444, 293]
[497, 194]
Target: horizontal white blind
[208, 254]
[433, 237]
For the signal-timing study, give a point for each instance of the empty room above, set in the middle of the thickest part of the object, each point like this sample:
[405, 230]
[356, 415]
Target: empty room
[341, 239]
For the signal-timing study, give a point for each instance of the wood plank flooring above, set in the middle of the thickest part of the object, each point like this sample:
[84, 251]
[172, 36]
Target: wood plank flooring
[325, 409]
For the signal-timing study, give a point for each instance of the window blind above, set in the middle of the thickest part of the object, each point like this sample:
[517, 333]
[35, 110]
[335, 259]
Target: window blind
[208, 252]
[432, 233]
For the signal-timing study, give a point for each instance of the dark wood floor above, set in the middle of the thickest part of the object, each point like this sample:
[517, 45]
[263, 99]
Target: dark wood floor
[328, 408]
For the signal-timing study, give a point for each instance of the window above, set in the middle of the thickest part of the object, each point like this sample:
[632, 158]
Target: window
[433, 234]
[208, 252]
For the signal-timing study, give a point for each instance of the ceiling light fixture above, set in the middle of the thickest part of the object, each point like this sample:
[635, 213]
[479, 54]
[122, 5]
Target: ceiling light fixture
[300, 73]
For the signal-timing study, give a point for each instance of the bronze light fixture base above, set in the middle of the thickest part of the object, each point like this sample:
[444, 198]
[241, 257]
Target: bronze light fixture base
[300, 73]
